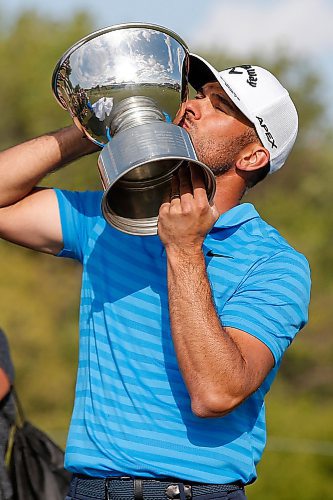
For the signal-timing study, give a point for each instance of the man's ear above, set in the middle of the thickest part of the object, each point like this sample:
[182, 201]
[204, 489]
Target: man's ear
[252, 157]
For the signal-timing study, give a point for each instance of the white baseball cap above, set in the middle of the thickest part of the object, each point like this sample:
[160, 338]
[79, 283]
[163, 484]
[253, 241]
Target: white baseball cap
[261, 98]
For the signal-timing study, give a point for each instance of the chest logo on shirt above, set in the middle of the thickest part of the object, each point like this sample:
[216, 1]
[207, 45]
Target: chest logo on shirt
[210, 253]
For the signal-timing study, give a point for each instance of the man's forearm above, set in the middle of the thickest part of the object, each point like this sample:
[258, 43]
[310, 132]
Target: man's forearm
[23, 166]
[210, 361]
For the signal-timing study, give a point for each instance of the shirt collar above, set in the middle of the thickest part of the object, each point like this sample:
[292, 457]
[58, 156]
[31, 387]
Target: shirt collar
[236, 216]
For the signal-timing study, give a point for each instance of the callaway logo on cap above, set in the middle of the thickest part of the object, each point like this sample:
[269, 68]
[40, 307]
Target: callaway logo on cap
[261, 98]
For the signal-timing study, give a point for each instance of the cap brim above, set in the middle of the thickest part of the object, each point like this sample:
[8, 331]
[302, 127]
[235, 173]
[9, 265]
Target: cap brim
[201, 72]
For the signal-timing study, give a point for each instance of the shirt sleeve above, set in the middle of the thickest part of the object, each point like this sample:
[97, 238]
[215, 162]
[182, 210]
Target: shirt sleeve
[271, 303]
[78, 213]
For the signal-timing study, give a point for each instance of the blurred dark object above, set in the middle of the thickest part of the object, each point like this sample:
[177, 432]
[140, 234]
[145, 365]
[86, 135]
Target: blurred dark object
[35, 463]
[7, 412]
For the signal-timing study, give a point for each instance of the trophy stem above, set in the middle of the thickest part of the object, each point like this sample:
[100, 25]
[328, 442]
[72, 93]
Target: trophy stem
[133, 111]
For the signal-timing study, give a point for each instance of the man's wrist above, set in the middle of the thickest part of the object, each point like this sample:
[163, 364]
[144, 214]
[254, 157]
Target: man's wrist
[72, 144]
[188, 253]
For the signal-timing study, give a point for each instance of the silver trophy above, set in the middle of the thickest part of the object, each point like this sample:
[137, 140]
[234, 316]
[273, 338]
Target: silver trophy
[123, 87]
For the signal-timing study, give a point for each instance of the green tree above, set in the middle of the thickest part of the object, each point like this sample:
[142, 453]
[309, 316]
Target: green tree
[39, 295]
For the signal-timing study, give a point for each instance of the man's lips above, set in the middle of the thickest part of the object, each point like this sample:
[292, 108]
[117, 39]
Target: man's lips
[184, 122]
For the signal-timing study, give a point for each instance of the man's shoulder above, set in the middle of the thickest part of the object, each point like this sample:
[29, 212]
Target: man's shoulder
[247, 236]
[268, 248]
[274, 239]
[277, 259]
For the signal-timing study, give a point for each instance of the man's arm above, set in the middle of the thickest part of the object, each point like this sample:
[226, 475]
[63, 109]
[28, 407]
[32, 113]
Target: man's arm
[29, 216]
[221, 366]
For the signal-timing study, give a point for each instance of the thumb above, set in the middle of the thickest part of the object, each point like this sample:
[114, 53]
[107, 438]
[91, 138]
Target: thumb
[214, 211]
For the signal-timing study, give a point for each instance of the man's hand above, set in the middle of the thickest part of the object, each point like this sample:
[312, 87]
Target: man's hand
[184, 221]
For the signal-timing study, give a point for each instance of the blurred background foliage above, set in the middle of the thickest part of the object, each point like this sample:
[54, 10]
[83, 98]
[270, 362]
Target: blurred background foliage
[39, 294]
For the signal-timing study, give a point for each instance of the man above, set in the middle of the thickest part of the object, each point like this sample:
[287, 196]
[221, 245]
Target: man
[181, 334]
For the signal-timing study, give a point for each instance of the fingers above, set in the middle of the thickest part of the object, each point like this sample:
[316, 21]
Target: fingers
[181, 187]
[185, 184]
[198, 183]
[174, 195]
[188, 217]
[188, 184]
[200, 191]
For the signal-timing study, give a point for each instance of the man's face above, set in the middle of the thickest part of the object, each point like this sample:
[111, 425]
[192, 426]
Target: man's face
[216, 126]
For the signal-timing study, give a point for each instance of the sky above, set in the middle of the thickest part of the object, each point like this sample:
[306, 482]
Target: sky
[240, 27]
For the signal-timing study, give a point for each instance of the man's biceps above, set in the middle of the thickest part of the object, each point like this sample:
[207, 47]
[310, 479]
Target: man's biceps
[33, 222]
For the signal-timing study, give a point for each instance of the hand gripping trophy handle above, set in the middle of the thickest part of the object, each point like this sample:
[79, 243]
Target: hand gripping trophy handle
[123, 86]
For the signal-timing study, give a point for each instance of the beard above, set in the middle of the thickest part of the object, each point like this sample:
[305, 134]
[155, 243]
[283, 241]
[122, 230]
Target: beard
[220, 156]
[222, 169]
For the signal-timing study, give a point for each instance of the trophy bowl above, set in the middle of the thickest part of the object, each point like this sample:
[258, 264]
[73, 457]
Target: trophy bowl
[123, 86]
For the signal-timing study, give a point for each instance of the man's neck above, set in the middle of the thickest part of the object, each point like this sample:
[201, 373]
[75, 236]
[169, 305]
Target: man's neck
[229, 192]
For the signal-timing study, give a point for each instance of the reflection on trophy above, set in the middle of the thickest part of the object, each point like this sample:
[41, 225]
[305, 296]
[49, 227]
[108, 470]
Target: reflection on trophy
[123, 86]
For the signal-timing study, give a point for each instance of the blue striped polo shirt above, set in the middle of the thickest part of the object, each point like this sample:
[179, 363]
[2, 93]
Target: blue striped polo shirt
[132, 413]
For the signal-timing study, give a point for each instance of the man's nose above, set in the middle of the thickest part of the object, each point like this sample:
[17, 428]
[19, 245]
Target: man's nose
[194, 107]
